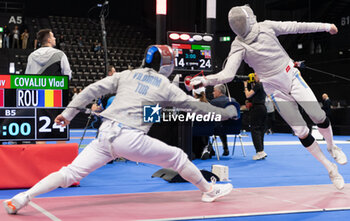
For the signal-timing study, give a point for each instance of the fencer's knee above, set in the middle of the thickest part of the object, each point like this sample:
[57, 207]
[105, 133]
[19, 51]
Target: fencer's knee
[71, 175]
[307, 141]
[183, 166]
[324, 124]
[178, 161]
[58, 177]
[319, 117]
[301, 132]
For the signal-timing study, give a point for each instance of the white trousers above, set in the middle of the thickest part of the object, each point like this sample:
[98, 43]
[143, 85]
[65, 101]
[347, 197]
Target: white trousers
[289, 89]
[116, 140]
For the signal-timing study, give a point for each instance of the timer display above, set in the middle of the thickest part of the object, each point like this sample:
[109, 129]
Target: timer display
[16, 129]
[31, 124]
[29, 105]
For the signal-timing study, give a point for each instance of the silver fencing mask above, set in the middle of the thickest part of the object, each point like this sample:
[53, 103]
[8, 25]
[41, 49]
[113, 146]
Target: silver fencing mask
[241, 20]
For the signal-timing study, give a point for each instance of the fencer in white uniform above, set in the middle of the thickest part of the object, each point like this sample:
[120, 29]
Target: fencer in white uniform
[123, 132]
[257, 44]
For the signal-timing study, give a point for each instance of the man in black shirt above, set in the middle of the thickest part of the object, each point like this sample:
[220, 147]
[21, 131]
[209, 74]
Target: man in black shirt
[256, 95]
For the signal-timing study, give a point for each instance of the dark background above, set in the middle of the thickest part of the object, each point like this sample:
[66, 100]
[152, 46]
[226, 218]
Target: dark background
[319, 50]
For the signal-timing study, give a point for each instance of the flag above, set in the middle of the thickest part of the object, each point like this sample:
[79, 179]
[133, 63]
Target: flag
[50, 98]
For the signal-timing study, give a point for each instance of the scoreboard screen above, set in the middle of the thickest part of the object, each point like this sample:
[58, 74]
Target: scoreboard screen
[192, 57]
[193, 51]
[28, 106]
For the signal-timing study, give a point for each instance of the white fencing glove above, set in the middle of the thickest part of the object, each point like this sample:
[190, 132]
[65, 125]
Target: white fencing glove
[198, 82]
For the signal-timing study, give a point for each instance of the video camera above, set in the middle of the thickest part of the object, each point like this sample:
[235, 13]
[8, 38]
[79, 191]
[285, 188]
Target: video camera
[250, 78]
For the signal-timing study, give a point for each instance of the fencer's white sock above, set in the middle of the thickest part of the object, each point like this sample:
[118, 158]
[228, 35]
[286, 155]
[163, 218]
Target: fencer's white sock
[49, 183]
[327, 133]
[192, 174]
[316, 151]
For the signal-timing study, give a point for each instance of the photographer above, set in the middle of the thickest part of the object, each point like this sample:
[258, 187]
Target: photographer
[256, 95]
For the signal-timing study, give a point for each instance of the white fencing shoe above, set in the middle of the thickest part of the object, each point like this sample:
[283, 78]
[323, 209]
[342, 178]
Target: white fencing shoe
[16, 203]
[338, 155]
[217, 191]
[336, 178]
[260, 155]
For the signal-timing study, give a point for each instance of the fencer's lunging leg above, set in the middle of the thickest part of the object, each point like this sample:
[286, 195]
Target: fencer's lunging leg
[210, 192]
[92, 157]
[313, 147]
[49, 183]
[325, 129]
[143, 148]
[192, 174]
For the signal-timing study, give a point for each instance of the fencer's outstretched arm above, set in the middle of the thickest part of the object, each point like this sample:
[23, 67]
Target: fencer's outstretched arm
[105, 86]
[178, 98]
[282, 28]
[60, 120]
[229, 72]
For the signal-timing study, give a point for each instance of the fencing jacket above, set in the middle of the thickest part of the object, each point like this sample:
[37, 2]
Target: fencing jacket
[262, 51]
[134, 89]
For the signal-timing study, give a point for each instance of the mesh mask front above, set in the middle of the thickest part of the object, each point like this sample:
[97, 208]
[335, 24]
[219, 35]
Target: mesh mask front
[241, 20]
